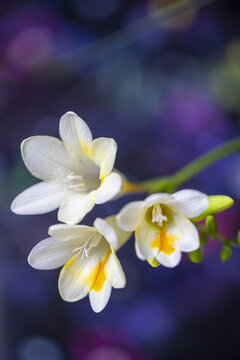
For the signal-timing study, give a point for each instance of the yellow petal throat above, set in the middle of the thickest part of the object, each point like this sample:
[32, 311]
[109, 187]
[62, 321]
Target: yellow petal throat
[164, 242]
[100, 276]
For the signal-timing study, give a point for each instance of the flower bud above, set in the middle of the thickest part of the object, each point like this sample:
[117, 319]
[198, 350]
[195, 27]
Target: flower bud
[217, 204]
[203, 239]
[237, 241]
[211, 226]
[196, 256]
[226, 252]
[153, 262]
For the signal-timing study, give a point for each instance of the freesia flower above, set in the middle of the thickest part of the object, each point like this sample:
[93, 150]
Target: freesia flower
[76, 172]
[162, 226]
[88, 255]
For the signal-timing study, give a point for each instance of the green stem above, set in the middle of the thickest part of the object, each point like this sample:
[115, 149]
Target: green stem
[219, 237]
[172, 183]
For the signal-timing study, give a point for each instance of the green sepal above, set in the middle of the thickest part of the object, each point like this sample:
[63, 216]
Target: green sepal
[226, 252]
[196, 256]
[217, 204]
[211, 226]
[153, 262]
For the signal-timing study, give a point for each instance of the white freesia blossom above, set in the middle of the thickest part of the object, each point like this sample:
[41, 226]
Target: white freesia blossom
[162, 226]
[88, 255]
[76, 172]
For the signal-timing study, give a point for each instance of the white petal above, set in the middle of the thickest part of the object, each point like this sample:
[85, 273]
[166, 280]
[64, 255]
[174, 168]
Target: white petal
[160, 198]
[109, 188]
[114, 272]
[77, 137]
[72, 284]
[130, 216]
[190, 203]
[107, 232]
[47, 158]
[185, 233]
[74, 132]
[138, 252]
[79, 274]
[75, 207]
[145, 235]
[103, 152]
[171, 260]
[123, 236]
[63, 232]
[99, 299]
[51, 254]
[39, 199]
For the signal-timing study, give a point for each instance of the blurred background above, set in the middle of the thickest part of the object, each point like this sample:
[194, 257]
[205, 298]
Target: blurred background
[162, 77]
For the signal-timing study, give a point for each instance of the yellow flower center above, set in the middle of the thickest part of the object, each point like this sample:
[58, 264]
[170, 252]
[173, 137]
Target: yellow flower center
[164, 242]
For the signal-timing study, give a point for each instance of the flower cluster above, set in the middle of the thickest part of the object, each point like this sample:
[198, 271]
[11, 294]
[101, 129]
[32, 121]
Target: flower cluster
[78, 172]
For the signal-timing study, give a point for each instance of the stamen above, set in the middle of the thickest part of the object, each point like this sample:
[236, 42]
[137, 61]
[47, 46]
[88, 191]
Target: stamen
[157, 215]
[71, 176]
[71, 181]
[91, 243]
[81, 250]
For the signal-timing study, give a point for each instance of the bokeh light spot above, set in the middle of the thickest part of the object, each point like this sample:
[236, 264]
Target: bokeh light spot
[39, 349]
[30, 48]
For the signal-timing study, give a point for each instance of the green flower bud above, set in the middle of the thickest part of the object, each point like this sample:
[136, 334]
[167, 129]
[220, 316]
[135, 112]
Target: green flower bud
[203, 240]
[153, 262]
[211, 226]
[196, 256]
[217, 204]
[237, 241]
[226, 252]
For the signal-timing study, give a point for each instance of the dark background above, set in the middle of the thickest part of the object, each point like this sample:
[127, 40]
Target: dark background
[167, 91]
